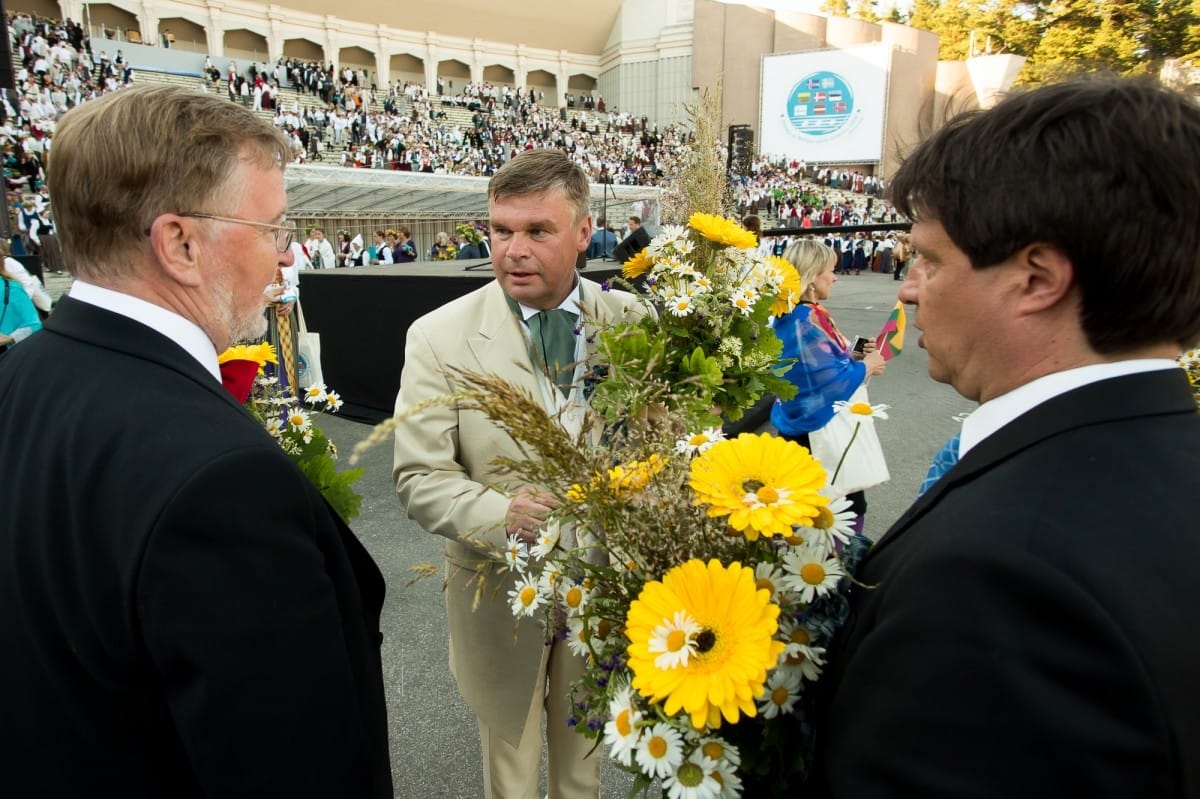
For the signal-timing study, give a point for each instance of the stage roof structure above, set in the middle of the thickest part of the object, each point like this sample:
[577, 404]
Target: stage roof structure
[315, 190]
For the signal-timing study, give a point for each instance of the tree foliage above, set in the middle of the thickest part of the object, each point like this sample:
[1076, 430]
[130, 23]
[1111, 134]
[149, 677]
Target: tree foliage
[1058, 37]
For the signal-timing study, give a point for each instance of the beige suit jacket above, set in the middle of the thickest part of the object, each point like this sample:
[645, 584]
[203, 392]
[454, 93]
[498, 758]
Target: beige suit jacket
[444, 475]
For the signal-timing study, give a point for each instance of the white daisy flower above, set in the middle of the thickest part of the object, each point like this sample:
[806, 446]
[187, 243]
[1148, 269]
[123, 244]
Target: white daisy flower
[694, 779]
[744, 300]
[684, 246]
[659, 751]
[811, 571]
[307, 436]
[702, 285]
[524, 598]
[298, 419]
[861, 410]
[552, 575]
[333, 401]
[783, 689]
[699, 442]
[682, 268]
[726, 759]
[835, 520]
[671, 234]
[731, 783]
[1190, 359]
[680, 306]
[674, 641]
[515, 555]
[621, 732]
[547, 540]
[574, 596]
[799, 654]
[719, 750]
[274, 427]
[315, 393]
[767, 575]
[579, 633]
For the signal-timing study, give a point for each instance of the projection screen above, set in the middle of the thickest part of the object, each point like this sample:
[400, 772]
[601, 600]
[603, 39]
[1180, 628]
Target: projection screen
[825, 106]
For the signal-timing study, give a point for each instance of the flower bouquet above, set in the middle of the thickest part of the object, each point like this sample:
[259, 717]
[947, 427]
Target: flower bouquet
[700, 577]
[290, 421]
[711, 336]
[1190, 361]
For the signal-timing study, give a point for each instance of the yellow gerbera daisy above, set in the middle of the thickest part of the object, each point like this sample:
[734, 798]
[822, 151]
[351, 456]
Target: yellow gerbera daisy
[261, 353]
[789, 290]
[763, 483]
[638, 265]
[722, 231]
[733, 649]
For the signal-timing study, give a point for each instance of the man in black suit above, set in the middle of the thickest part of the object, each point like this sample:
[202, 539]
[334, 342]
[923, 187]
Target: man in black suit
[182, 614]
[1028, 627]
[633, 243]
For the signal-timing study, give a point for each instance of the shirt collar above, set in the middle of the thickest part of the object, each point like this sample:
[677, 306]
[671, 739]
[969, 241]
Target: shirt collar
[995, 413]
[182, 331]
[571, 304]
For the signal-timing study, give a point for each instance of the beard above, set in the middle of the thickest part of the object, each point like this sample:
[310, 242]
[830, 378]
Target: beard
[237, 324]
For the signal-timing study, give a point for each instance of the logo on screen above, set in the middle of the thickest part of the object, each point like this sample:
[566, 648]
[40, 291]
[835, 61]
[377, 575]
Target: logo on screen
[819, 106]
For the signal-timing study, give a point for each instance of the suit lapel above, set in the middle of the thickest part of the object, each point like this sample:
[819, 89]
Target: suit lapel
[99, 327]
[499, 345]
[1140, 395]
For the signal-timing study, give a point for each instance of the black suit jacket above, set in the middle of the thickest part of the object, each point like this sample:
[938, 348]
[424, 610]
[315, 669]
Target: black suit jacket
[1031, 629]
[181, 613]
[631, 245]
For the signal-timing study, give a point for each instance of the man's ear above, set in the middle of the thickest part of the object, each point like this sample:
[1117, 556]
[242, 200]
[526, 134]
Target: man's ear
[177, 248]
[585, 233]
[1048, 277]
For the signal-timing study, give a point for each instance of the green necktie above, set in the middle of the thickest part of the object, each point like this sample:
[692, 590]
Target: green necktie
[553, 335]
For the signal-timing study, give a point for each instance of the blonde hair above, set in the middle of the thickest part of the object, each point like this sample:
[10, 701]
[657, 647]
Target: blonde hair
[126, 158]
[811, 258]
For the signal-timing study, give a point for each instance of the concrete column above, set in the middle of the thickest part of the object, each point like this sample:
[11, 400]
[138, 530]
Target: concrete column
[383, 59]
[148, 24]
[215, 33]
[274, 41]
[431, 62]
[521, 73]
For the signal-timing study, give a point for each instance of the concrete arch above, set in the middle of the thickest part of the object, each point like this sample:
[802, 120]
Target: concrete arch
[581, 82]
[406, 67]
[356, 58]
[188, 34]
[243, 44]
[541, 79]
[304, 50]
[453, 70]
[112, 17]
[499, 74]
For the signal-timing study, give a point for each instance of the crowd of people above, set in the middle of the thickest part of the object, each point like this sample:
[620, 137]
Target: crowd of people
[412, 132]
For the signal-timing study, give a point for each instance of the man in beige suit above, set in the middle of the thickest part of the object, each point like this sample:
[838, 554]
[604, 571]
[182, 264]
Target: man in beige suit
[508, 672]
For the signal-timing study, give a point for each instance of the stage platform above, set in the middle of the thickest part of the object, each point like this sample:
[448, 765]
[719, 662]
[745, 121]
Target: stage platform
[363, 314]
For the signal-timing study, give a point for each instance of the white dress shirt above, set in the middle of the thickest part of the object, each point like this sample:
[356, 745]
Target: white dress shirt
[996, 413]
[184, 332]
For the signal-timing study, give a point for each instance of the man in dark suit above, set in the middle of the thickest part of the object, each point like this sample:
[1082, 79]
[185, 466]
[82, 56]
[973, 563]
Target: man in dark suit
[182, 613]
[1028, 627]
[633, 243]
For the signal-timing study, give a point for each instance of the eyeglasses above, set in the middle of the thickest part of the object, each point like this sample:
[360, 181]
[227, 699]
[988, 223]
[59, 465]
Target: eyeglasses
[284, 234]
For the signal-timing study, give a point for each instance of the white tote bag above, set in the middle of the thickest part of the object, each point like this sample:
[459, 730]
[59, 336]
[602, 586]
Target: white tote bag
[849, 446]
[308, 355]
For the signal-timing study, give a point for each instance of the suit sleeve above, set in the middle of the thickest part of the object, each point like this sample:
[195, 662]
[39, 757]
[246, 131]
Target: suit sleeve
[993, 674]
[241, 619]
[433, 482]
